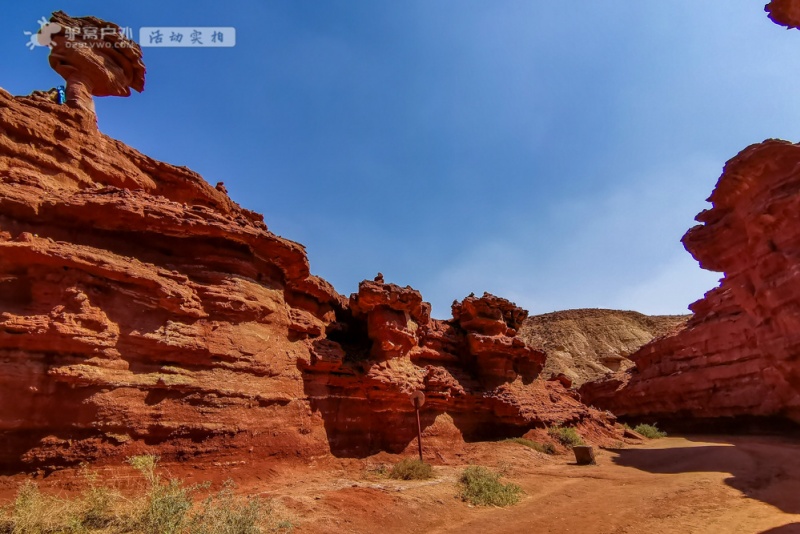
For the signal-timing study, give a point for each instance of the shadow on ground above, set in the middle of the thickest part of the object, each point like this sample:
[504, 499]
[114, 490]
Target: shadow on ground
[762, 468]
[793, 528]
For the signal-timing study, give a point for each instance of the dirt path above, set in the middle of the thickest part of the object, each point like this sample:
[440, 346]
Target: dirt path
[676, 485]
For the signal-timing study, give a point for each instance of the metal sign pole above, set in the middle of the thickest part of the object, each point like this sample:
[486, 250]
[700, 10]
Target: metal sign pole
[418, 399]
[419, 429]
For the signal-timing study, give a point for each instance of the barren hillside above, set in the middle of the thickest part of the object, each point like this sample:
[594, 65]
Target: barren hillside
[586, 344]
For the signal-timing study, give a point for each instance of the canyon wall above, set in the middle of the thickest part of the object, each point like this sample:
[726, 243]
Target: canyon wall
[739, 355]
[740, 352]
[141, 309]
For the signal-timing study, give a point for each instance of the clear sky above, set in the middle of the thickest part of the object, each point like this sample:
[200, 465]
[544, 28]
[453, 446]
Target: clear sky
[550, 152]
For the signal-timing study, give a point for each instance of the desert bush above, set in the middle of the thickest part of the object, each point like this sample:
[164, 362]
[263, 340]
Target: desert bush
[224, 513]
[567, 436]
[411, 469]
[37, 513]
[33, 512]
[97, 505]
[482, 487]
[650, 431]
[545, 448]
[164, 506]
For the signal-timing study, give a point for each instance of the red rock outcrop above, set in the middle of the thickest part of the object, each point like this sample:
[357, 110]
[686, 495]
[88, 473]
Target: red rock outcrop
[141, 307]
[738, 354]
[479, 379]
[137, 302]
[94, 58]
[784, 12]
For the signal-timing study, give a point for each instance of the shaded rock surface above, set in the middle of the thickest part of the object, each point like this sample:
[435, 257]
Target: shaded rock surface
[739, 355]
[587, 344]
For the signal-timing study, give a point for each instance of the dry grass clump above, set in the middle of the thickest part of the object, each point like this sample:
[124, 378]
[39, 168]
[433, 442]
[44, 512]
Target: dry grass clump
[411, 469]
[482, 487]
[567, 436]
[650, 431]
[162, 506]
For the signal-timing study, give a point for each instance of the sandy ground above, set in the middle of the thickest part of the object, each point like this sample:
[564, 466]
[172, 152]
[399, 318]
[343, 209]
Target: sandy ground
[682, 485]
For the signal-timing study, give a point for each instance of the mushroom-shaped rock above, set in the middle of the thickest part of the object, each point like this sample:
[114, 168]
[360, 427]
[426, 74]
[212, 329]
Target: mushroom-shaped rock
[784, 12]
[95, 59]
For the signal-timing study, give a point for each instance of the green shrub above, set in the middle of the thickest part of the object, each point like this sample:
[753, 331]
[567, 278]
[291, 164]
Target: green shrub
[567, 436]
[650, 431]
[482, 487]
[545, 448]
[411, 469]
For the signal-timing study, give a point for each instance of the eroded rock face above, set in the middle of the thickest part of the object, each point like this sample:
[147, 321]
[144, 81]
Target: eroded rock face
[480, 380]
[138, 303]
[494, 350]
[738, 354]
[393, 316]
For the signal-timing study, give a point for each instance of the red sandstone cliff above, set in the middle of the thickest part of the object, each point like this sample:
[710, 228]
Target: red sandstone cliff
[141, 307]
[738, 354]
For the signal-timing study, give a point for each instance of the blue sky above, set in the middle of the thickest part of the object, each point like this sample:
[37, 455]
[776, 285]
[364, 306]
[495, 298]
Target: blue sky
[552, 153]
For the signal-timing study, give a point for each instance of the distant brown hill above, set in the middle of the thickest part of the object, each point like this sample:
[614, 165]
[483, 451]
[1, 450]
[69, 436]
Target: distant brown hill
[586, 344]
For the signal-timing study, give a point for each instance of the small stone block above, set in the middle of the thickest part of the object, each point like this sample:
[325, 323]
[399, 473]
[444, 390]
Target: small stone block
[584, 455]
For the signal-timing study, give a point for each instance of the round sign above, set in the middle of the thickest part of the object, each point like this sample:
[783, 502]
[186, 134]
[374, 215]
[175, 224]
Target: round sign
[418, 399]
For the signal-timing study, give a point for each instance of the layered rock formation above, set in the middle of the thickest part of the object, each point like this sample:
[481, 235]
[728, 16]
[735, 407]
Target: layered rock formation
[740, 352]
[476, 374]
[137, 301]
[141, 307]
[587, 344]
